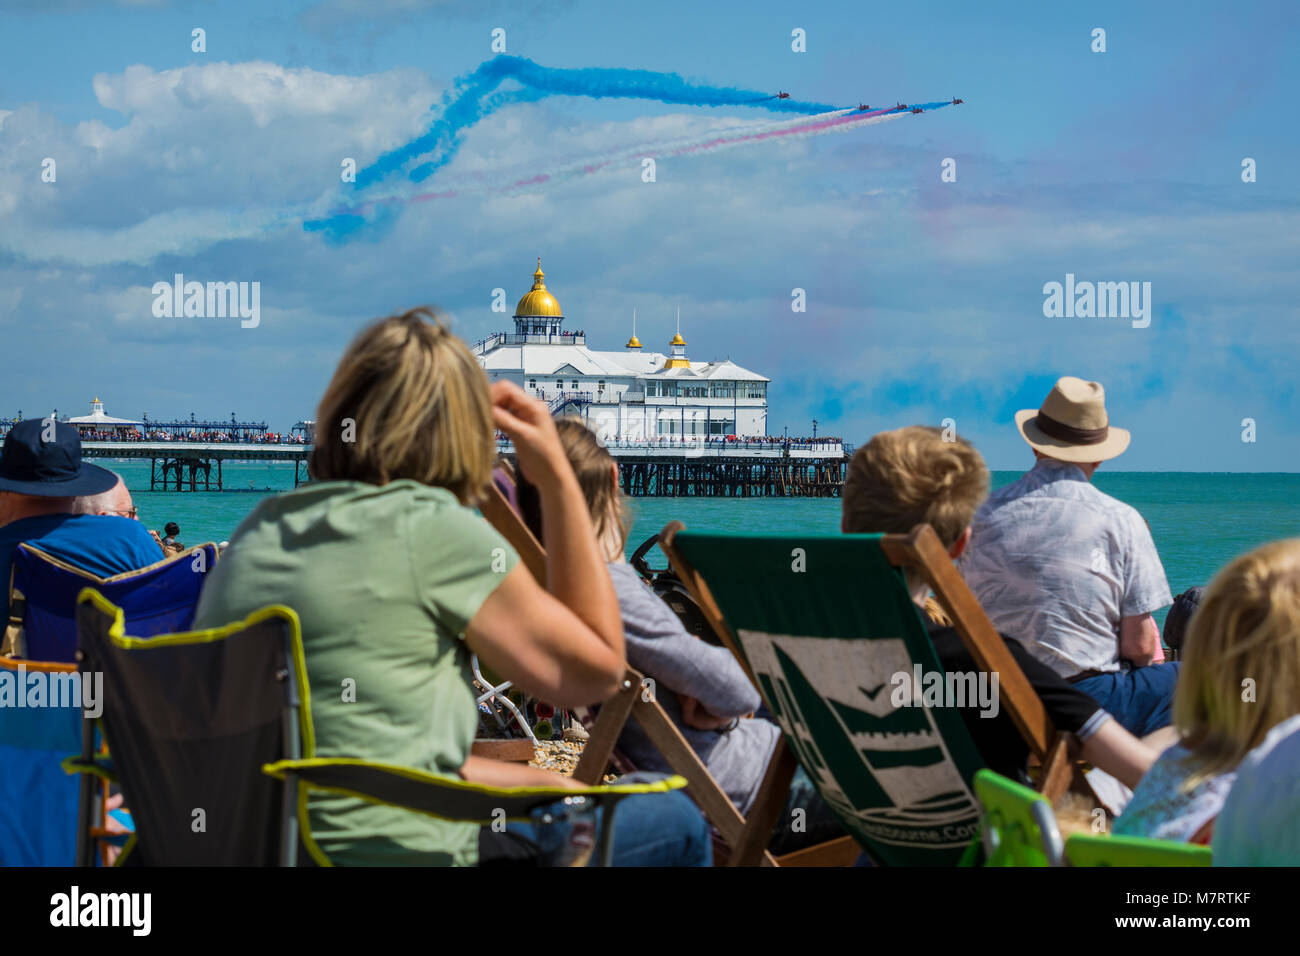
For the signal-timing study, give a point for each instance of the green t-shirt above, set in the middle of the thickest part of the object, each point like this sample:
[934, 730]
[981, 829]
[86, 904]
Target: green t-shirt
[385, 579]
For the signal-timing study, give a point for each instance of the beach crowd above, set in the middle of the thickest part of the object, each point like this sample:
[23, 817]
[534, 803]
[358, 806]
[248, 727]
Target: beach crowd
[397, 579]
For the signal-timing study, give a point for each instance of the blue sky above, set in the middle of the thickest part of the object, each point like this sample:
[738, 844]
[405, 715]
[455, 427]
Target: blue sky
[924, 298]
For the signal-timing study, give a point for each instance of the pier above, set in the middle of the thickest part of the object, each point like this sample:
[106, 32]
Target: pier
[648, 469]
[196, 466]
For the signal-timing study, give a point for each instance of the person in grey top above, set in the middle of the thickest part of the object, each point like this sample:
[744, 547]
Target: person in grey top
[702, 687]
[1071, 571]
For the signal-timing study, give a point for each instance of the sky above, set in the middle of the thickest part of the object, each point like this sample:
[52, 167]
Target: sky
[924, 298]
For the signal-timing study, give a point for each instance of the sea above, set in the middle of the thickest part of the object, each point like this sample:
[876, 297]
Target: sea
[1199, 521]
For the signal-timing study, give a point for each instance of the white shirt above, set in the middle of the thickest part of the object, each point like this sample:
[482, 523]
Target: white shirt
[1260, 821]
[1057, 564]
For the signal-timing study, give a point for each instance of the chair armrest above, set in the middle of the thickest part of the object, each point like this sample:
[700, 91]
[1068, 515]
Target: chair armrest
[101, 766]
[447, 798]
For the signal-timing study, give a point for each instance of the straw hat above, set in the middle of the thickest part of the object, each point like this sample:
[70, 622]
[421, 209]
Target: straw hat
[1072, 424]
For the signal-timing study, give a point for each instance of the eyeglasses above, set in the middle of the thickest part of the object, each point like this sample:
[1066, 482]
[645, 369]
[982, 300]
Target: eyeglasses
[133, 514]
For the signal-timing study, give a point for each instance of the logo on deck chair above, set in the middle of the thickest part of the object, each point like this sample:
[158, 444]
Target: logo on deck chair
[887, 770]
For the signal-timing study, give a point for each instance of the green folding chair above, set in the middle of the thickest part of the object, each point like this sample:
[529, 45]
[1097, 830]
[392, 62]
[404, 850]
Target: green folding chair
[1084, 850]
[1018, 827]
[215, 725]
[823, 623]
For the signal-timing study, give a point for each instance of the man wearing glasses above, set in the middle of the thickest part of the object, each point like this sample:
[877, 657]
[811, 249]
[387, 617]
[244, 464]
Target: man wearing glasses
[69, 508]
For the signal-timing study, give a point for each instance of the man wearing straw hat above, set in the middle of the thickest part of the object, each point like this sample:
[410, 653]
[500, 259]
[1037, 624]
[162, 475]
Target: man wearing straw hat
[1071, 571]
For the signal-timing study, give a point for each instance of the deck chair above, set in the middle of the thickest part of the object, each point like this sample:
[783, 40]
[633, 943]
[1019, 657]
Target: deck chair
[157, 599]
[41, 634]
[1084, 850]
[495, 506]
[1017, 825]
[744, 838]
[822, 623]
[210, 735]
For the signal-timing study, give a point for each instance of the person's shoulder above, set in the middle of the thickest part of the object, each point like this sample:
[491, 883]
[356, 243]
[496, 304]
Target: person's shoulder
[1108, 504]
[1004, 495]
[30, 529]
[628, 586]
[113, 526]
[434, 516]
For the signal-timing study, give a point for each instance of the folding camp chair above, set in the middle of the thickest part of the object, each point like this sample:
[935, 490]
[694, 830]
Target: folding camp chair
[823, 624]
[744, 838]
[1018, 827]
[157, 599]
[39, 828]
[39, 824]
[210, 735]
[1084, 850]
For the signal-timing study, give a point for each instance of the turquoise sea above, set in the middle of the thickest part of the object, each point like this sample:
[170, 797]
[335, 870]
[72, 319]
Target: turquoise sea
[1199, 521]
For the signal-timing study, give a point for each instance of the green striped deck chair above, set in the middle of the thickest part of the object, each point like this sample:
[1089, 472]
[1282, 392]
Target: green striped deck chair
[1084, 850]
[823, 623]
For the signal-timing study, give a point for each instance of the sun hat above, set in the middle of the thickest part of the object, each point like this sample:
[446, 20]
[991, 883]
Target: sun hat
[42, 457]
[1072, 425]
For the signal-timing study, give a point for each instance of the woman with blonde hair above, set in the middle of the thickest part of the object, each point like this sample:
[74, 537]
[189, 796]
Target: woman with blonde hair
[1240, 679]
[397, 581]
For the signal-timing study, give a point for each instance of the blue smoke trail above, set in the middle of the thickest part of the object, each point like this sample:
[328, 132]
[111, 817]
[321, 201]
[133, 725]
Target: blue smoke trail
[469, 102]
[475, 96]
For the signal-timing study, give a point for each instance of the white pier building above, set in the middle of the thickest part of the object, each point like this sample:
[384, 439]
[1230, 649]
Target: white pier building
[633, 396]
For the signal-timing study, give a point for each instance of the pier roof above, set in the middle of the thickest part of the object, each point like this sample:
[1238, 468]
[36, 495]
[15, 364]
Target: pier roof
[544, 360]
[97, 417]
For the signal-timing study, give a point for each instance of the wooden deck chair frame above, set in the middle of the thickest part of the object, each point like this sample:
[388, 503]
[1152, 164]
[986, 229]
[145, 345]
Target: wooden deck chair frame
[496, 509]
[746, 837]
[922, 551]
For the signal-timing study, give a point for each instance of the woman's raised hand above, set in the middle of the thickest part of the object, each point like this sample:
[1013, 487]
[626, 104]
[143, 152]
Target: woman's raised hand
[528, 423]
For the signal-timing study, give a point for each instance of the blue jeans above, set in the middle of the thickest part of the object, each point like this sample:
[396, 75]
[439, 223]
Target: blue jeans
[1141, 699]
[652, 829]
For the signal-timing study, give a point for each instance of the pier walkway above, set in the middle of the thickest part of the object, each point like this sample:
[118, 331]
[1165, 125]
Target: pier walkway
[663, 468]
[174, 465]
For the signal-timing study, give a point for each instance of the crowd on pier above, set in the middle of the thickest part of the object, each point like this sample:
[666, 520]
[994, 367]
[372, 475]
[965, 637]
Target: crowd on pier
[234, 436]
[396, 579]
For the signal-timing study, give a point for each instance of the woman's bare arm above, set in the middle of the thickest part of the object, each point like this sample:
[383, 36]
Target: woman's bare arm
[563, 643]
[529, 637]
[499, 773]
[1119, 753]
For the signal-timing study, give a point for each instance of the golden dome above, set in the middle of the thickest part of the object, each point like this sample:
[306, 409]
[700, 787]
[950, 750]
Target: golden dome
[678, 340]
[537, 301]
[633, 343]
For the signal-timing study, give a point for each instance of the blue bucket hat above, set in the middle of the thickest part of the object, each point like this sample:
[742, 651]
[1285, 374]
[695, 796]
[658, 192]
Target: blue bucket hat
[31, 465]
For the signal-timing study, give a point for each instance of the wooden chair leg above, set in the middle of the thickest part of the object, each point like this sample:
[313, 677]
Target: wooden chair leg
[603, 736]
[751, 848]
[1058, 769]
[842, 851]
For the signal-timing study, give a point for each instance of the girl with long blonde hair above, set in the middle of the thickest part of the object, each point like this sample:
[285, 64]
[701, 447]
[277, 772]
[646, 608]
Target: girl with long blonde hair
[1240, 678]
